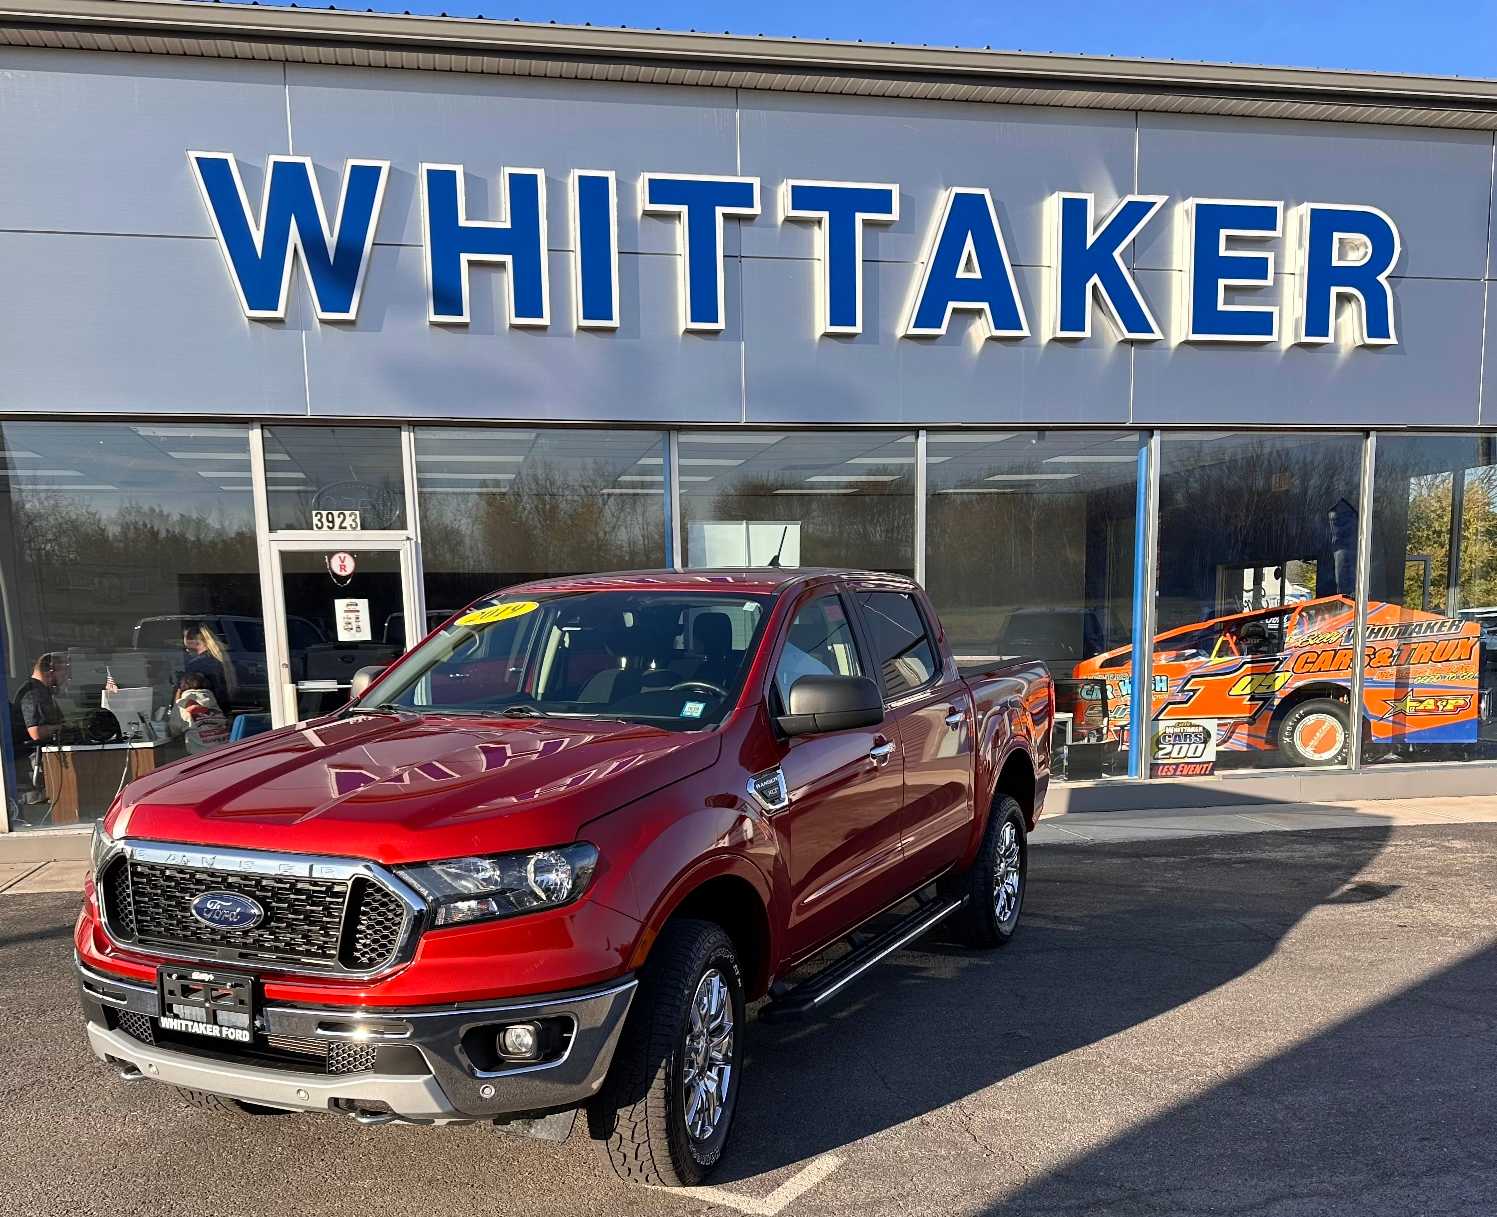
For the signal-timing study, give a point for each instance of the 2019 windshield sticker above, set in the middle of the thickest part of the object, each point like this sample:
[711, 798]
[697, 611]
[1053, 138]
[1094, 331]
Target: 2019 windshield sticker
[499, 612]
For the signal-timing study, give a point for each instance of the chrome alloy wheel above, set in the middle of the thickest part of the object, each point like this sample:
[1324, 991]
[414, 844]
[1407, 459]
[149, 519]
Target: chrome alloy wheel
[707, 1066]
[1007, 875]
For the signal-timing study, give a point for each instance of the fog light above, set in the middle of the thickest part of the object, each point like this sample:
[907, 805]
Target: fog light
[520, 1042]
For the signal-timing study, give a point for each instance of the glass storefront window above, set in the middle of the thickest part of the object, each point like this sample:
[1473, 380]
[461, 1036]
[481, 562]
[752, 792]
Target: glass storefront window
[1030, 551]
[1255, 605]
[130, 587]
[1431, 649]
[806, 498]
[500, 507]
[315, 477]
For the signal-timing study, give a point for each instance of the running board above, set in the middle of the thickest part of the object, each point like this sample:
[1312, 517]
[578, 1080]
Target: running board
[805, 997]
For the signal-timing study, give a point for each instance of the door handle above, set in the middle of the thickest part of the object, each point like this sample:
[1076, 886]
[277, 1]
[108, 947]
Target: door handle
[955, 718]
[880, 753]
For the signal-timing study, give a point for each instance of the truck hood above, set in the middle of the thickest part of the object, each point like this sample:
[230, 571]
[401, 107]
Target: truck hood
[411, 789]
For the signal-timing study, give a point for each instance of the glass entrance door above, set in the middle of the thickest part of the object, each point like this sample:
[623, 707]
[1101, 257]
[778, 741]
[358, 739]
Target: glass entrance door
[341, 605]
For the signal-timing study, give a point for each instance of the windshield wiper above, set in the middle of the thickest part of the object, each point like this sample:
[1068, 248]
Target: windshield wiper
[382, 708]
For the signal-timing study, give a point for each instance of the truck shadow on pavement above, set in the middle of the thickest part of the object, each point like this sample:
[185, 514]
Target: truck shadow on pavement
[1388, 1111]
[1113, 937]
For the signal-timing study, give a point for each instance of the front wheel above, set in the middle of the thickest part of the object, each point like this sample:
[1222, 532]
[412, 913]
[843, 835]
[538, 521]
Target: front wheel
[664, 1113]
[994, 886]
[1316, 733]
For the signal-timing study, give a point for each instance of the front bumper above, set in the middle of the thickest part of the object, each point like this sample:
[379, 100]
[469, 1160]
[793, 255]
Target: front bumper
[438, 1081]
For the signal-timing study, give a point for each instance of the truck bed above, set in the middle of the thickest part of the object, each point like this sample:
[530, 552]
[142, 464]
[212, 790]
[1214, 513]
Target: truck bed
[985, 667]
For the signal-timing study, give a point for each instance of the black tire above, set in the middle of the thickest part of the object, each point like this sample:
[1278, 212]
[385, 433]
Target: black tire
[639, 1119]
[1315, 733]
[980, 923]
[219, 1105]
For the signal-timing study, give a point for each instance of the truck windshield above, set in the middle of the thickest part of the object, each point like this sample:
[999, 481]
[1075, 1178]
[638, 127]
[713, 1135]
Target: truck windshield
[670, 658]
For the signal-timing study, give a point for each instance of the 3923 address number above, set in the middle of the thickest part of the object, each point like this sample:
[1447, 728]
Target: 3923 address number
[336, 521]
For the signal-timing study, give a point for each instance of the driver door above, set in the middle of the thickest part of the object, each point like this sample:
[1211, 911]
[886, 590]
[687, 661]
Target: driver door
[841, 829]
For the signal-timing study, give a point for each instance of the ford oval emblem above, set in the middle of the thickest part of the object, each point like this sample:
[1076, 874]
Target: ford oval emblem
[228, 911]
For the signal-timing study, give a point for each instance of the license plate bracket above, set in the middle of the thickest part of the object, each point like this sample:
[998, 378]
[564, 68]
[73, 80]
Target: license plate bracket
[211, 1004]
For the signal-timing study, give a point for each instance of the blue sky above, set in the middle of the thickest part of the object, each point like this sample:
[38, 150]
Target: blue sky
[1441, 37]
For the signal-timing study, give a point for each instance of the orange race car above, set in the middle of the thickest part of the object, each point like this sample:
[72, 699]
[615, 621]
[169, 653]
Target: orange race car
[1279, 679]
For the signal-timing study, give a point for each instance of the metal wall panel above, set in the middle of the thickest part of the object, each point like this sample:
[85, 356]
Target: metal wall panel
[792, 376]
[1021, 154]
[1433, 183]
[1488, 413]
[391, 362]
[484, 122]
[97, 142]
[1429, 379]
[137, 323]
[112, 323]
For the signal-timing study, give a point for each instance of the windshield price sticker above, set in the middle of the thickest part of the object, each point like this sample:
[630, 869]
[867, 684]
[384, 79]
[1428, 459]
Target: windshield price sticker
[336, 521]
[498, 612]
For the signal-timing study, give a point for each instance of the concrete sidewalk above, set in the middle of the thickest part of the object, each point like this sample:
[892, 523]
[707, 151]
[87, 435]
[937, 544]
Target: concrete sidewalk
[57, 861]
[26, 878]
[1077, 828]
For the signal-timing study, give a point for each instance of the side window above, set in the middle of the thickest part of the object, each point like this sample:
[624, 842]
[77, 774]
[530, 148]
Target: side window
[301, 633]
[906, 656]
[820, 643]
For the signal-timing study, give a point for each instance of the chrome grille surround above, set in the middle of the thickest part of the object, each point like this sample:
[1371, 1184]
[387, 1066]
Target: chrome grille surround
[376, 904]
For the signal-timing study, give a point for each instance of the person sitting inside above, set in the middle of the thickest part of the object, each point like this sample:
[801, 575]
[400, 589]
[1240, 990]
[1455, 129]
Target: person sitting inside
[207, 656]
[36, 719]
[197, 716]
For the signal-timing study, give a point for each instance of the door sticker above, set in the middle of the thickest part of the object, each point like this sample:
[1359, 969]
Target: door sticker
[352, 617]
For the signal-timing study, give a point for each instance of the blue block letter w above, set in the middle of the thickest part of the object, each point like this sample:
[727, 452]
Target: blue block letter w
[258, 249]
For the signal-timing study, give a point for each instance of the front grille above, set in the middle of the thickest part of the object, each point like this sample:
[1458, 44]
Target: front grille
[118, 902]
[335, 1056]
[346, 1057]
[335, 924]
[294, 1052]
[136, 1026]
[376, 915]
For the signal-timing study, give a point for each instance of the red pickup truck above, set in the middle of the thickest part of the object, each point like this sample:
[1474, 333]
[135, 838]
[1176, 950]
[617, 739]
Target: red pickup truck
[544, 860]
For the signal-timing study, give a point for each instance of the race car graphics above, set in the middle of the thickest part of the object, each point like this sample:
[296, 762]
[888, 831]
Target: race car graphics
[1242, 672]
[1238, 690]
[1415, 705]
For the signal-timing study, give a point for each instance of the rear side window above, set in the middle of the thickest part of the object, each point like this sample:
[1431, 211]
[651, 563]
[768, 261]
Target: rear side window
[820, 643]
[906, 655]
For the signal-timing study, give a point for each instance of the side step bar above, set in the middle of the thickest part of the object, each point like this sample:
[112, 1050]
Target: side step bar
[805, 997]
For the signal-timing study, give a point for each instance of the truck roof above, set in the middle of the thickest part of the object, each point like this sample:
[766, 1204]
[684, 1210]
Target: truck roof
[750, 579]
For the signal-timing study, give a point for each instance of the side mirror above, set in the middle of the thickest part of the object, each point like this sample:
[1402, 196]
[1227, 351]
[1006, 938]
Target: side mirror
[362, 679]
[832, 703]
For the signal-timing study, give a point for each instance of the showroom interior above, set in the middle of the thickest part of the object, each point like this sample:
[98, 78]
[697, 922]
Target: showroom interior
[1067, 544]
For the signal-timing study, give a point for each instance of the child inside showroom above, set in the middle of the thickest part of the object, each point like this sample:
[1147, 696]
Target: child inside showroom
[196, 714]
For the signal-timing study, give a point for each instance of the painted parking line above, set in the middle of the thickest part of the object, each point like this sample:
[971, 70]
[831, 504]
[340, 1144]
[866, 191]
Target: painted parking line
[818, 1170]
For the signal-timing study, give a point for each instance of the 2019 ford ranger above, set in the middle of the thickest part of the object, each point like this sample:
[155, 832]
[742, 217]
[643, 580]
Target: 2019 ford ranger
[544, 860]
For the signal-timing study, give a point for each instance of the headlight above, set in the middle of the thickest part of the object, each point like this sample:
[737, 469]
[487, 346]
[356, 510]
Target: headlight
[479, 889]
[102, 843]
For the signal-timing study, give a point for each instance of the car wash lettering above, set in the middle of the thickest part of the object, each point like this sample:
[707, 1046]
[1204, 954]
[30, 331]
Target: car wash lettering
[1336, 258]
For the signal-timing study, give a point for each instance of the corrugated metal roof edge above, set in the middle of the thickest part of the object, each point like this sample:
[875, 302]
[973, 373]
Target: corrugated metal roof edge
[344, 37]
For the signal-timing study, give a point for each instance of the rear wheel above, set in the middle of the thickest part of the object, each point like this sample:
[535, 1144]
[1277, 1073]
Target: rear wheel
[1316, 733]
[221, 1106]
[664, 1113]
[994, 886]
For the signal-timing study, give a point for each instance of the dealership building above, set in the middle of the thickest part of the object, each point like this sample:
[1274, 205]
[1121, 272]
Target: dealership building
[320, 324]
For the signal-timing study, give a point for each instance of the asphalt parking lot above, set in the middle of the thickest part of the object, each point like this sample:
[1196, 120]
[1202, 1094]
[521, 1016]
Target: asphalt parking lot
[1286, 1024]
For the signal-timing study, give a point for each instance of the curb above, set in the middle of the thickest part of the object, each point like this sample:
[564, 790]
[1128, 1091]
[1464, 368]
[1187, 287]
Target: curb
[46, 844]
